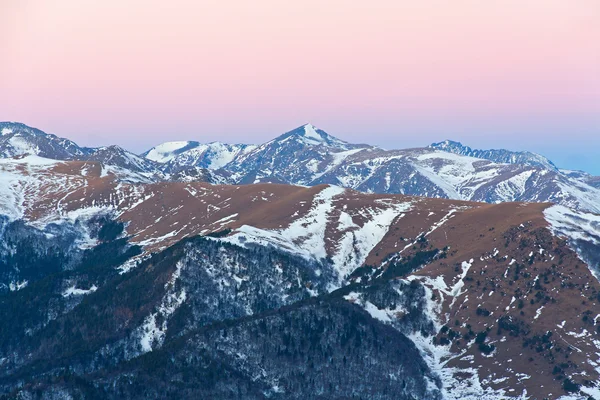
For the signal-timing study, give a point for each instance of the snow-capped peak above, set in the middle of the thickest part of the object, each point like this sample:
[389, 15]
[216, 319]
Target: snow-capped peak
[448, 145]
[167, 151]
[310, 131]
[17, 139]
[314, 135]
[212, 155]
[310, 135]
[499, 156]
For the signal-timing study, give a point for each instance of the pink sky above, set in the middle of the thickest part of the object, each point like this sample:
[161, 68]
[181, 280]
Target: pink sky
[510, 73]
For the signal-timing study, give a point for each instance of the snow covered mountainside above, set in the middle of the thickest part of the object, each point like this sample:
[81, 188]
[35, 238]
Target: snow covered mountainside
[18, 141]
[117, 289]
[213, 155]
[309, 156]
[498, 156]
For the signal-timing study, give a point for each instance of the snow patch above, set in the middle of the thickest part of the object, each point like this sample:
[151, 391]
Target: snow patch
[74, 291]
[17, 285]
[576, 226]
[458, 383]
[166, 151]
[305, 236]
[152, 332]
[357, 242]
[311, 132]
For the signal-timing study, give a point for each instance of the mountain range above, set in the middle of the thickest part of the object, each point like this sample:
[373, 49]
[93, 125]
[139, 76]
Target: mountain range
[309, 156]
[305, 267]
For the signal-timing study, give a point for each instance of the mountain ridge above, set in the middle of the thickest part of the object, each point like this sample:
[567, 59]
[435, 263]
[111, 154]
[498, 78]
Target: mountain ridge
[496, 155]
[309, 156]
[214, 271]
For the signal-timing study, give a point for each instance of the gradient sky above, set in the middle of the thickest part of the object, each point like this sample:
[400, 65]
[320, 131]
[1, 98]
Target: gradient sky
[517, 74]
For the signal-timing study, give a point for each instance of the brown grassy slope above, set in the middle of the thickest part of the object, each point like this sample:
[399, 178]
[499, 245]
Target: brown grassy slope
[531, 345]
[520, 304]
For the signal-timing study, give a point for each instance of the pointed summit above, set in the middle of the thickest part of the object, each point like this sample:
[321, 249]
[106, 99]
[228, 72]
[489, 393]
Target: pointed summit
[310, 135]
[310, 131]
